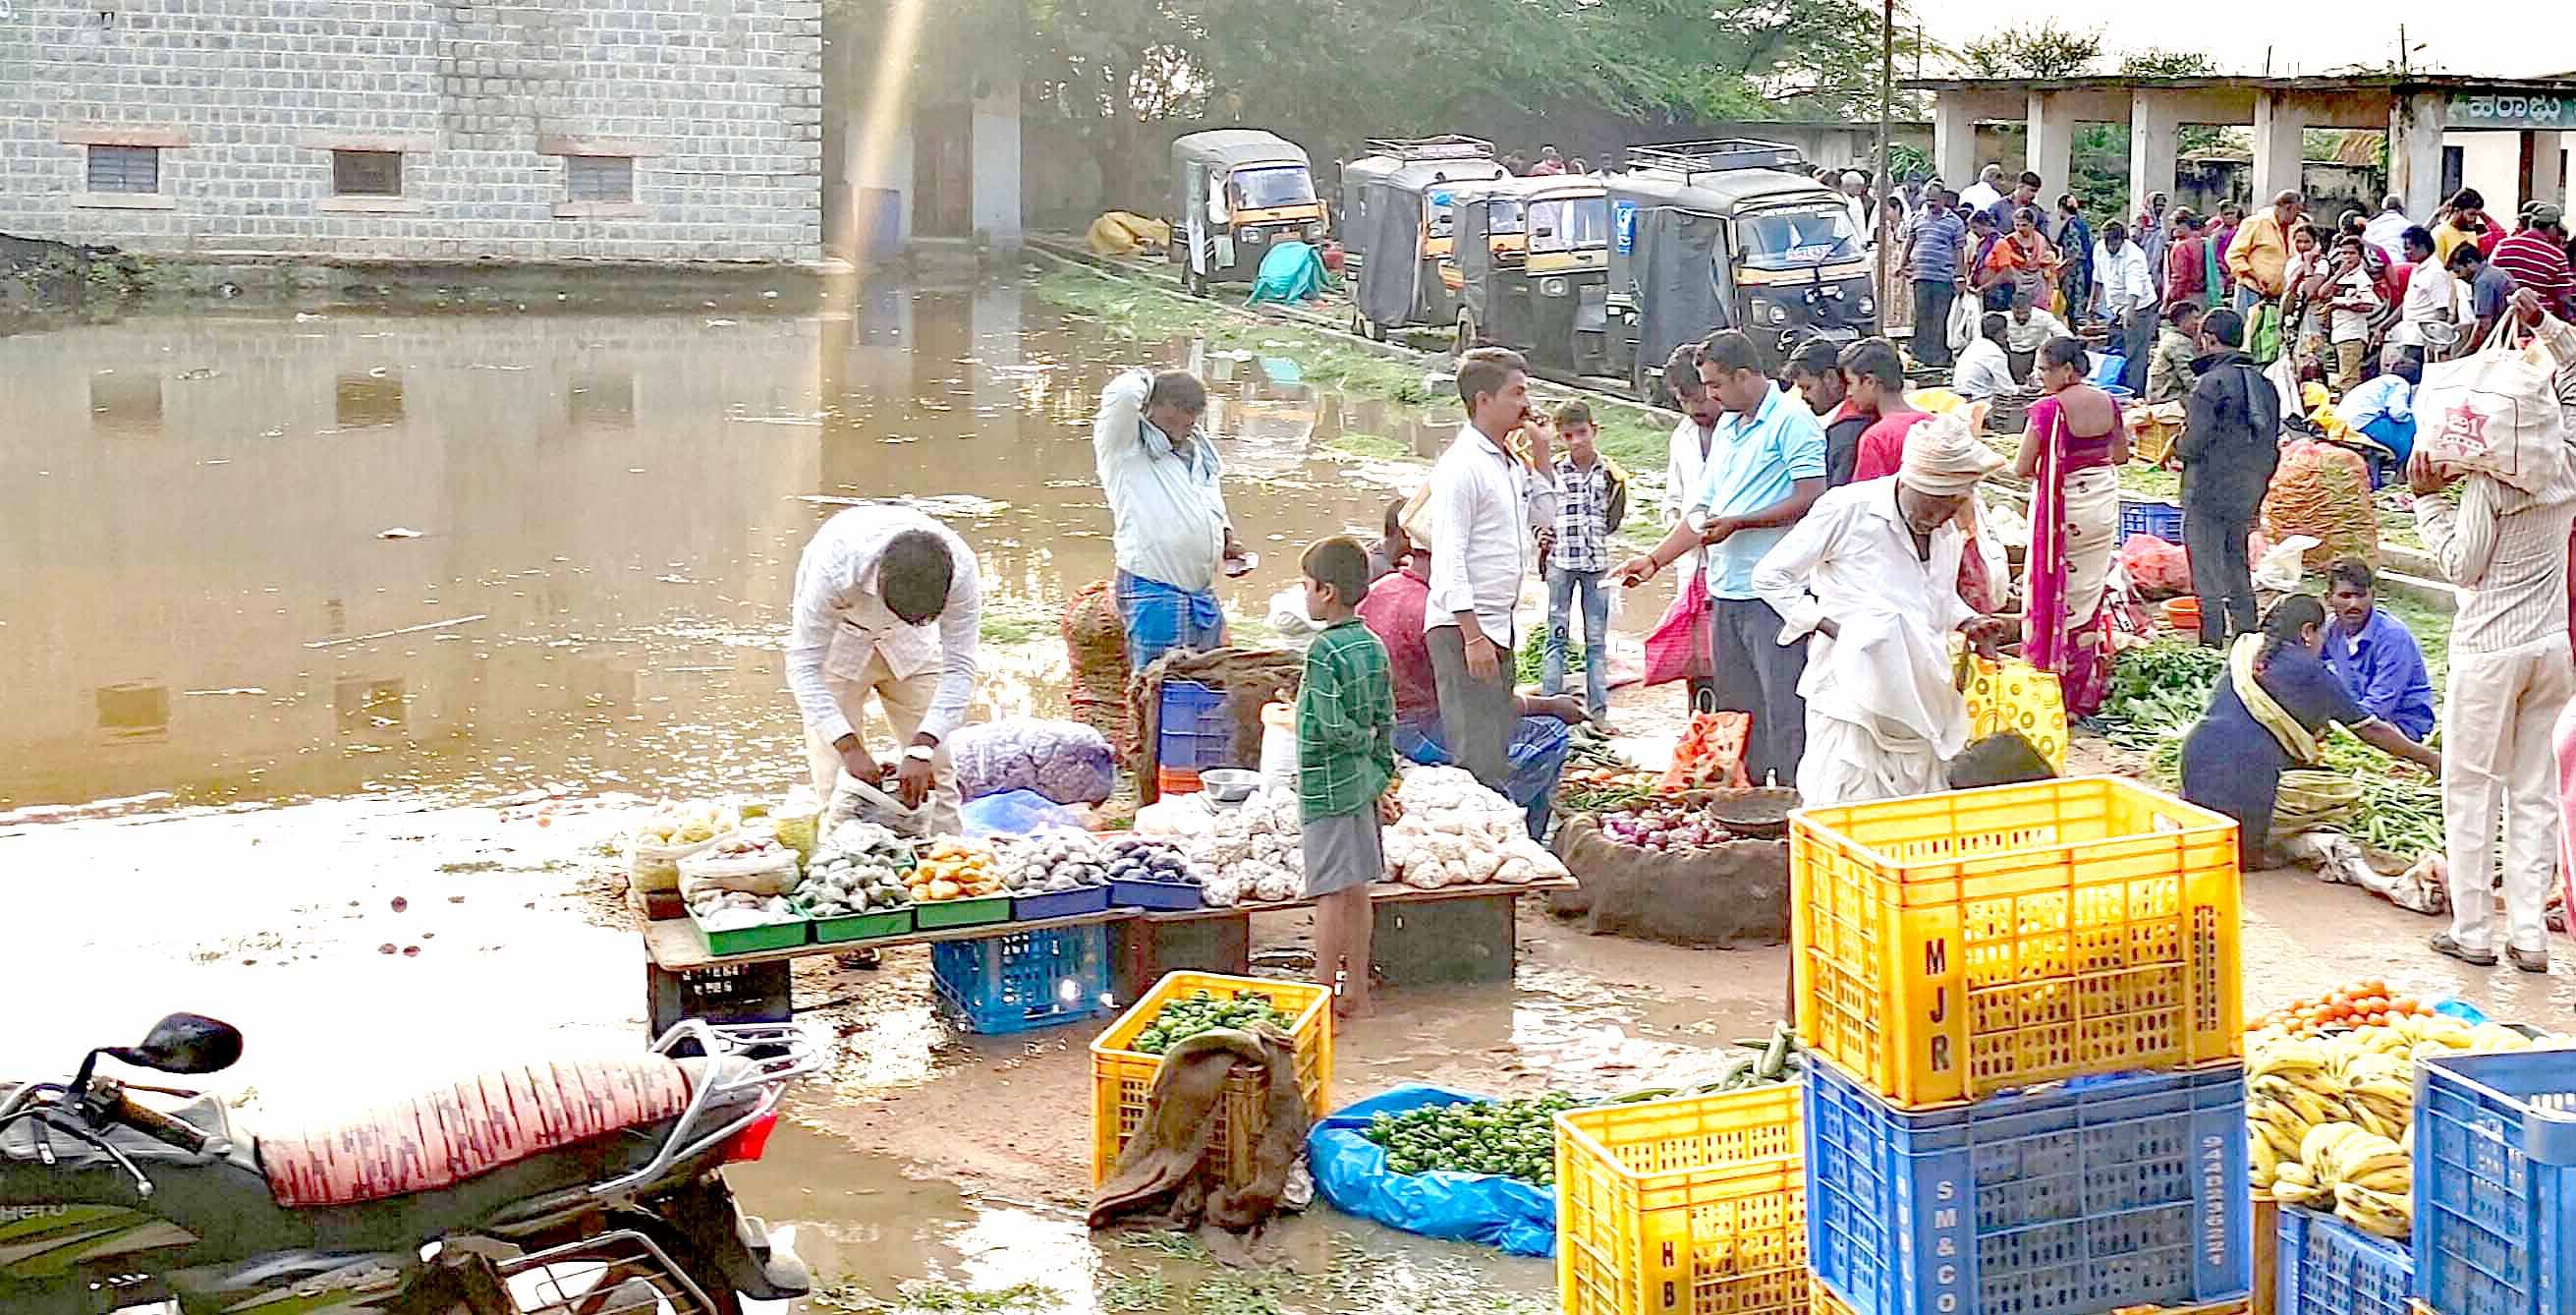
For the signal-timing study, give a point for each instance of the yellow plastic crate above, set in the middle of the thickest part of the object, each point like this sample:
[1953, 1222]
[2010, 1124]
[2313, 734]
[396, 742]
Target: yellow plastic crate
[1121, 1078]
[1952, 945]
[1695, 1205]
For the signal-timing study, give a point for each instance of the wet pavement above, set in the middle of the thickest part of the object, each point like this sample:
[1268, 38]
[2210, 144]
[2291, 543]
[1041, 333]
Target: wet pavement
[351, 791]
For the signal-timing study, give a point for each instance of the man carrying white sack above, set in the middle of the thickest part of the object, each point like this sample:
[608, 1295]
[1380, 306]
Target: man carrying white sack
[1873, 573]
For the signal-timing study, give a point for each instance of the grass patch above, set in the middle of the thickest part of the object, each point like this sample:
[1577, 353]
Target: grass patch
[941, 1298]
[1008, 621]
[1375, 447]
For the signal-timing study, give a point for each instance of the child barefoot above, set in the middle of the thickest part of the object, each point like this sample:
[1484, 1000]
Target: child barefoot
[1345, 767]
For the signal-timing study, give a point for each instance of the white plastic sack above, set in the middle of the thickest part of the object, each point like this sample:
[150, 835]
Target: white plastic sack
[1965, 310]
[1288, 613]
[770, 873]
[852, 800]
[2279, 569]
[2495, 411]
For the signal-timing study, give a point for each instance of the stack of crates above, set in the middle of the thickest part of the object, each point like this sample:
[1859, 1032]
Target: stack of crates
[2026, 1087]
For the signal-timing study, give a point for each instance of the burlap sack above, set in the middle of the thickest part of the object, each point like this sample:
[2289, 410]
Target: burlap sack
[1733, 894]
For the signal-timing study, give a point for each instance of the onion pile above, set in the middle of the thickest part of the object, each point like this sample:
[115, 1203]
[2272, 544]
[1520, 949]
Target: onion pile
[1665, 827]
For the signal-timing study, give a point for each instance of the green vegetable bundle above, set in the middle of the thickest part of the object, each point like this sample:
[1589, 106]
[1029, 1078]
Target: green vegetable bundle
[1203, 1012]
[2159, 691]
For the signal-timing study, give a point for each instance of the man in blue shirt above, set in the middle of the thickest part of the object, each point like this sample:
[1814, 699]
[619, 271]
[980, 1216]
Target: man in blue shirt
[1931, 259]
[2375, 654]
[1766, 467]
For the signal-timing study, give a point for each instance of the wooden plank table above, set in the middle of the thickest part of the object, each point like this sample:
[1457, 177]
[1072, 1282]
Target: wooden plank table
[1454, 934]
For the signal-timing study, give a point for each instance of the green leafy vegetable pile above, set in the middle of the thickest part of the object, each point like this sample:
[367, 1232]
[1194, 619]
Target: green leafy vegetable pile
[1201, 1012]
[2158, 691]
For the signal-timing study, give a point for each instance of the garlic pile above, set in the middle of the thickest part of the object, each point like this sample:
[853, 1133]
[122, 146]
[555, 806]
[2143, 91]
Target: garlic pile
[1053, 861]
[1455, 832]
[1252, 851]
[728, 910]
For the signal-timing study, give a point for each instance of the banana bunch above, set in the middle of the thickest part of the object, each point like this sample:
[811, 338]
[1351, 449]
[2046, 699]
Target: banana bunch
[2364, 1077]
[2358, 1174]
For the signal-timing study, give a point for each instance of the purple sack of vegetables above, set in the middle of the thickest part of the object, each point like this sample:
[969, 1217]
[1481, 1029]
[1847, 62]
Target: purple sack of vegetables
[1068, 762]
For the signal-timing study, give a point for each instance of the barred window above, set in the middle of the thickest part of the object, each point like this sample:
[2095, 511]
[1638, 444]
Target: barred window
[125, 168]
[599, 178]
[366, 173]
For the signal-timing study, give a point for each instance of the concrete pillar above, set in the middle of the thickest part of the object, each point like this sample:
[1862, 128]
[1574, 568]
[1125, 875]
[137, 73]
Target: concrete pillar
[2277, 147]
[1954, 141]
[997, 164]
[2546, 178]
[2415, 151]
[2152, 145]
[2051, 145]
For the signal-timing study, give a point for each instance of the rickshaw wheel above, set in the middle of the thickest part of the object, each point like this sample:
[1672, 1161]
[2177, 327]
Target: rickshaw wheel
[1467, 334]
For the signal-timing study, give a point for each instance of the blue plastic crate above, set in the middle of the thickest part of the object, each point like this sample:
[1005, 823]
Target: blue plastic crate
[1061, 904]
[2495, 1183]
[1017, 981]
[2126, 1190]
[1196, 727]
[2160, 519]
[2329, 1267]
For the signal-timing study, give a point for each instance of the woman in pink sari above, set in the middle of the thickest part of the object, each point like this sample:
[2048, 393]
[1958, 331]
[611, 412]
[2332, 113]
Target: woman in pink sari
[2072, 454]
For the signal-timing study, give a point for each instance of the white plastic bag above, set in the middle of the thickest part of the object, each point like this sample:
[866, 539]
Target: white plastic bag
[771, 870]
[1288, 613]
[2279, 569]
[1964, 314]
[852, 799]
[2495, 411]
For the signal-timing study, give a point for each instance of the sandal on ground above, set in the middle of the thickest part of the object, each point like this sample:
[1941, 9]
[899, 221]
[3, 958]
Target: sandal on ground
[2442, 943]
[2530, 961]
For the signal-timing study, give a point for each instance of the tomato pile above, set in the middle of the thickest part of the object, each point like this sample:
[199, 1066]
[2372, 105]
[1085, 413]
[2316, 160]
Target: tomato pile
[2366, 1003]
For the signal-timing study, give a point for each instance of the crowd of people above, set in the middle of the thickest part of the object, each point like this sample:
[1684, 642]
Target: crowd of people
[1828, 530]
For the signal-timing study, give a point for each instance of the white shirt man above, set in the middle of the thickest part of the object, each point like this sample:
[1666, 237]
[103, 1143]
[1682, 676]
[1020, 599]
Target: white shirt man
[1983, 192]
[1883, 711]
[2430, 298]
[1685, 457]
[850, 637]
[2387, 230]
[1167, 510]
[1484, 509]
[2123, 279]
[1984, 371]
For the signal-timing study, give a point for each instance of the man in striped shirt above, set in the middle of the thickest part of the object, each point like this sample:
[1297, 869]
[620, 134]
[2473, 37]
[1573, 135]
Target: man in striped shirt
[2511, 674]
[2536, 257]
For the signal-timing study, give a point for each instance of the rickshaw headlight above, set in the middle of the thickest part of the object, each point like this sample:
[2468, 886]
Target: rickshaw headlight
[1314, 230]
[1775, 313]
[1869, 306]
[1551, 287]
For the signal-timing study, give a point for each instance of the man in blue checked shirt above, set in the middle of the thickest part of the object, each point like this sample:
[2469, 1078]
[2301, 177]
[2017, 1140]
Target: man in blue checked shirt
[2375, 654]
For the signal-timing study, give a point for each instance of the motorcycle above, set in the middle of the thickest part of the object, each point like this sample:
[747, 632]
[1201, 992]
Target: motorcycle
[571, 1188]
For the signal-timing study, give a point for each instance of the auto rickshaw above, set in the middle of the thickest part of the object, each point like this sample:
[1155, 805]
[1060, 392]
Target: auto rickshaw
[1398, 209]
[1237, 190]
[1539, 290]
[1729, 234]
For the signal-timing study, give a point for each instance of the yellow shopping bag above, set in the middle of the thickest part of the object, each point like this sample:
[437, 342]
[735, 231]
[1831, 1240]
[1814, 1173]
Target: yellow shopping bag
[2012, 695]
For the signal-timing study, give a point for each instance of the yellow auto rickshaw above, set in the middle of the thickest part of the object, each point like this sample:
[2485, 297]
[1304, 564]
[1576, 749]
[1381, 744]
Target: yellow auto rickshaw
[1398, 211]
[1539, 287]
[1729, 234]
[1236, 191]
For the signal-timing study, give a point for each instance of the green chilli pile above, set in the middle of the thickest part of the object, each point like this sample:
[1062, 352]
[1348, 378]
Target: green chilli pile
[1200, 1011]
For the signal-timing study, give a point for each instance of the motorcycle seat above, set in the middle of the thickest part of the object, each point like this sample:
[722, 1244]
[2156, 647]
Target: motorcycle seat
[453, 1133]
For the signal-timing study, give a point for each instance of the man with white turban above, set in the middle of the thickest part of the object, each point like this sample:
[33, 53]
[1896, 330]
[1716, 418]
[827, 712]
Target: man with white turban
[1873, 574]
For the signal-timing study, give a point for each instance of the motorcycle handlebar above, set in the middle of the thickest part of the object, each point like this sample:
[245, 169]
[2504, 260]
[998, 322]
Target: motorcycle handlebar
[157, 1125]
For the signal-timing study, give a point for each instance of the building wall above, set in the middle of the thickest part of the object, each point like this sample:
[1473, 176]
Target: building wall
[718, 102]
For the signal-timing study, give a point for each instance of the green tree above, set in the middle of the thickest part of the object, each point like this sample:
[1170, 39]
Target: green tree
[2042, 51]
[2155, 63]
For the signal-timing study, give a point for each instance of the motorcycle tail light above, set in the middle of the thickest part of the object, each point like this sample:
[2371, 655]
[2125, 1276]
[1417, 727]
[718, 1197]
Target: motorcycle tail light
[749, 1144]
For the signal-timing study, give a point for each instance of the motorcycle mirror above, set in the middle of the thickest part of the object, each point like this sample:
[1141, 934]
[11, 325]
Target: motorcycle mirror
[185, 1043]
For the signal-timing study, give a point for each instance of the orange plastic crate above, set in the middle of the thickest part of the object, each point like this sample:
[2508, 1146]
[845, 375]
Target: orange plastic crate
[1695, 1205]
[1121, 1078]
[1949, 946]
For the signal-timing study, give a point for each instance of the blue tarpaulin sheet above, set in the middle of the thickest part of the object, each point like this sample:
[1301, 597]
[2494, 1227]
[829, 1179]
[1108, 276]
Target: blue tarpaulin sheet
[1350, 1171]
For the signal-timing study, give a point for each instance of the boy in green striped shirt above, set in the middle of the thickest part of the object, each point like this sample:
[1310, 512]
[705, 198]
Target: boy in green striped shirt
[1345, 767]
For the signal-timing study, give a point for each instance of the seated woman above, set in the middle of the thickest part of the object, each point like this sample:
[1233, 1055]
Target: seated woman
[1540, 744]
[2264, 718]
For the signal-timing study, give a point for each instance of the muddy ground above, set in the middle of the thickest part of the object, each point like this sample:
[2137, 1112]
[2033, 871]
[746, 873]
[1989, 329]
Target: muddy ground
[926, 1161]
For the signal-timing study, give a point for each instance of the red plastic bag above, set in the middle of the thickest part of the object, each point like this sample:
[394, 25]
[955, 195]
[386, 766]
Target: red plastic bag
[1678, 648]
[1711, 754]
[2156, 569]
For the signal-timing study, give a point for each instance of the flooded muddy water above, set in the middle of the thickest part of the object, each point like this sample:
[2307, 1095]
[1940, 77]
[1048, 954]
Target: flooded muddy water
[278, 556]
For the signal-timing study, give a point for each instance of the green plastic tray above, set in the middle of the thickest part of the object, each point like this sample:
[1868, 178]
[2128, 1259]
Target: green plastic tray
[962, 912]
[745, 940]
[863, 926]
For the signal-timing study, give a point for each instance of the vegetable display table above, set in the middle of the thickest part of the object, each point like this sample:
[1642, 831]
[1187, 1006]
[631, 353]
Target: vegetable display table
[1451, 935]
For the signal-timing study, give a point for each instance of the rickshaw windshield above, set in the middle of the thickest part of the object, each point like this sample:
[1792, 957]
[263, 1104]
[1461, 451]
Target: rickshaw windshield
[1569, 224]
[1797, 236]
[1439, 214]
[1505, 217]
[1265, 186]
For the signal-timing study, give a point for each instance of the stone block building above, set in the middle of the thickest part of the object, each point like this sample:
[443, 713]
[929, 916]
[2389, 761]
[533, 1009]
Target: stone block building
[533, 130]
